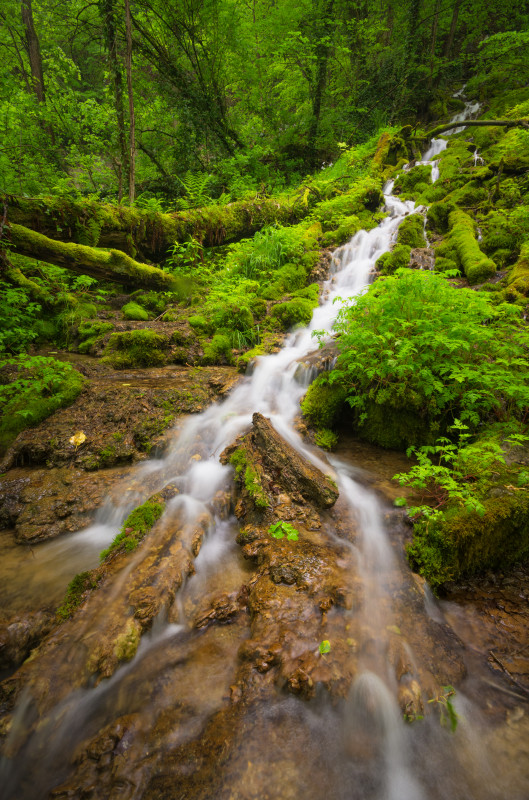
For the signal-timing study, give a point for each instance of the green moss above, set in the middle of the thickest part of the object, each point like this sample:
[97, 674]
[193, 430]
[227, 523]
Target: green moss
[411, 231]
[247, 472]
[134, 311]
[139, 348]
[294, 312]
[395, 259]
[465, 543]
[75, 593]
[91, 332]
[136, 526]
[218, 351]
[394, 428]
[324, 402]
[414, 181]
[476, 265]
[345, 231]
[518, 279]
[127, 642]
[437, 216]
[200, 323]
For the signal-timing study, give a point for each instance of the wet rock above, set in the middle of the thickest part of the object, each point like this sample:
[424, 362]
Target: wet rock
[422, 258]
[42, 504]
[19, 635]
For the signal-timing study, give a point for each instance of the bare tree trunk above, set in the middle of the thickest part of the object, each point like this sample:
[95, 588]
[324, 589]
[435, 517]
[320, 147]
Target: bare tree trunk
[33, 50]
[324, 29]
[452, 32]
[435, 25]
[109, 24]
[132, 119]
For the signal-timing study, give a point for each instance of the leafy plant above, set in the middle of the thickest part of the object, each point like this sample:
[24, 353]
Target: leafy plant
[448, 714]
[280, 529]
[416, 348]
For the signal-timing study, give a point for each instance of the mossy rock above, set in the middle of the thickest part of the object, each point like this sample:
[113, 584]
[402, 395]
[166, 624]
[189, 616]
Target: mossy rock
[412, 182]
[136, 526]
[395, 259]
[411, 231]
[134, 311]
[476, 265]
[465, 543]
[218, 351]
[324, 402]
[90, 333]
[139, 348]
[297, 311]
[394, 428]
[499, 233]
[343, 233]
[518, 278]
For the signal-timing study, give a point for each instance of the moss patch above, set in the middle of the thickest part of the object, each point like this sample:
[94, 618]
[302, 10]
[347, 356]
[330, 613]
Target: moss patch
[136, 526]
[139, 348]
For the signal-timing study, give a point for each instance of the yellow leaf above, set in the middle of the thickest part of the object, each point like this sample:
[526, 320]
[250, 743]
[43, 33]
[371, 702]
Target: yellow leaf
[78, 438]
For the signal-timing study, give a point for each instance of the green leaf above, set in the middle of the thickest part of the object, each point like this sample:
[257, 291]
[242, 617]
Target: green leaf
[325, 647]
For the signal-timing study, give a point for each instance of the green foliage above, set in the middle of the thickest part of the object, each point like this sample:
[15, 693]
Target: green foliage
[324, 647]
[448, 715]
[414, 346]
[134, 311]
[280, 529]
[326, 438]
[245, 470]
[37, 386]
[91, 332]
[297, 311]
[412, 182]
[18, 316]
[136, 526]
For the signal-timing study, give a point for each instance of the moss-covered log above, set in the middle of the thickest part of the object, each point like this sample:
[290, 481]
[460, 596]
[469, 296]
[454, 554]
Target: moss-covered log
[505, 123]
[148, 235]
[109, 265]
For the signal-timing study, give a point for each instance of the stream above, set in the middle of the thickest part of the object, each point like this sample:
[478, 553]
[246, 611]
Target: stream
[162, 726]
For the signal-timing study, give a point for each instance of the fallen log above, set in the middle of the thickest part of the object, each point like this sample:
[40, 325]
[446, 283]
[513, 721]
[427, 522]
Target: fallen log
[506, 123]
[109, 265]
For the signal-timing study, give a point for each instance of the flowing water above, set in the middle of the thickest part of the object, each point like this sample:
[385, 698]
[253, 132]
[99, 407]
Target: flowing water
[359, 749]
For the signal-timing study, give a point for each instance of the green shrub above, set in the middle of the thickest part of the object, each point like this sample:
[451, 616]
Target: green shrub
[421, 348]
[134, 311]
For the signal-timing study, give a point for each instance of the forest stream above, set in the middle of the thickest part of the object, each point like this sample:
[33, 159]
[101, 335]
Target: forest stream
[219, 660]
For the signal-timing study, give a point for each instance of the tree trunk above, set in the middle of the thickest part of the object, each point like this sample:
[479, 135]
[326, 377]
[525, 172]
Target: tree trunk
[107, 11]
[132, 119]
[33, 50]
[435, 25]
[324, 29]
[452, 32]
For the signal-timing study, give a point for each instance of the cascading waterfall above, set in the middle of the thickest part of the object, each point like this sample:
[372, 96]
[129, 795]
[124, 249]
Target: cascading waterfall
[192, 464]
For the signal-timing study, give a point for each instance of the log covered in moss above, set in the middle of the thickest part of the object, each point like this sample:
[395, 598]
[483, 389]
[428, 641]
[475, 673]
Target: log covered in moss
[110, 265]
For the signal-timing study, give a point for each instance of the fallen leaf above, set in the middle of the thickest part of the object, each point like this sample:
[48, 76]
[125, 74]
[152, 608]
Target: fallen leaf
[78, 438]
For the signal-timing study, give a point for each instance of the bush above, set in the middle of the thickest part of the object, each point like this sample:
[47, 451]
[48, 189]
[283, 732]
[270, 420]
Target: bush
[415, 346]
